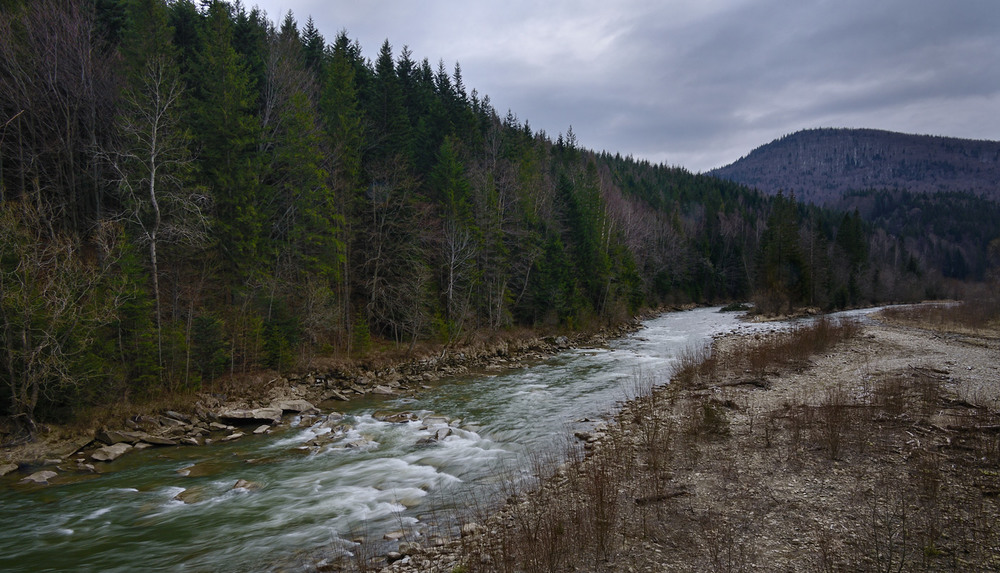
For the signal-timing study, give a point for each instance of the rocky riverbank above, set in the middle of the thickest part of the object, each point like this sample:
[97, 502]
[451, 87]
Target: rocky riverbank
[879, 453]
[262, 403]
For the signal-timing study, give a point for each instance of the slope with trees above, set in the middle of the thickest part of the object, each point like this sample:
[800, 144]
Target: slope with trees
[819, 165]
[195, 191]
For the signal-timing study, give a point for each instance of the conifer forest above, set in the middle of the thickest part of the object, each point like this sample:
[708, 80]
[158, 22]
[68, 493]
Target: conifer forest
[188, 190]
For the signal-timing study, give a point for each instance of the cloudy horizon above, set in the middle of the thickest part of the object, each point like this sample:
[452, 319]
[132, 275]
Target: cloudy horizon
[693, 83]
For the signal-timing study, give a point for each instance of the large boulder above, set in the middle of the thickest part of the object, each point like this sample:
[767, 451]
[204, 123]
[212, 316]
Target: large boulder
[192, 495]
[110, 453]
[111, 437]
[41, 477]
[300, 406]
[71, 446]
[246, 416]
[430, 421]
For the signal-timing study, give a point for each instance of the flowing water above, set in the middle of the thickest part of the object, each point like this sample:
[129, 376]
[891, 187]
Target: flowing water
[176, 509]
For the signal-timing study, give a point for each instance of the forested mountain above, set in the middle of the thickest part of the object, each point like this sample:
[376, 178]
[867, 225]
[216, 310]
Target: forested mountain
[188, 189]
[820, 165]
[958, 234]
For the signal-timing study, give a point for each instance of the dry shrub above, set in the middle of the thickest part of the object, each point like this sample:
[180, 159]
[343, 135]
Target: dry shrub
[727, 541]
[890, 396]
[797, 345]
[694, 365]
[834, 420]
[980, 310]
[771, 302]
[929, 391]
[884, 535]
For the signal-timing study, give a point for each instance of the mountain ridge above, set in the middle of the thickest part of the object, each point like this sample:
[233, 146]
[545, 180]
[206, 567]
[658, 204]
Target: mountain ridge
[820, 165]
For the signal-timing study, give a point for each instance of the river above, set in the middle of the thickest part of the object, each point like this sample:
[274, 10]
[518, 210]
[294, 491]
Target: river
[369, 478]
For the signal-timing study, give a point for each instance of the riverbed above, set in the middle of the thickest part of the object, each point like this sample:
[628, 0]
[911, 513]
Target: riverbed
[311, 490]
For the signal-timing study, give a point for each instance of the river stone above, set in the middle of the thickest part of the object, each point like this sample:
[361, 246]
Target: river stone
[178, 416]
[272, 415]
[442, 434]
[295, 406]
[233, 436]
[41, 477]
[110, 453]
[71, 446]
[392, 557]
[435, 421]
[191, 495]
[7, 468]
[111, 437]
[394, 535]
[333, 420]
[335, 395]
[394, 417]
[169, 422]
[247, 485]
[148, 420]
[383, 390]
[409, 548]
[158, 440]
[361, 442]
[262, 428]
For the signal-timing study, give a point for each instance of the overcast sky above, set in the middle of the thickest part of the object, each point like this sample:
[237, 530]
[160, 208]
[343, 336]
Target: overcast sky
[698, 83]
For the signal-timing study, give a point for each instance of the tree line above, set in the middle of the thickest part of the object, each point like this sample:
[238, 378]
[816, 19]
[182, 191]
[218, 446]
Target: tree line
[189, 190]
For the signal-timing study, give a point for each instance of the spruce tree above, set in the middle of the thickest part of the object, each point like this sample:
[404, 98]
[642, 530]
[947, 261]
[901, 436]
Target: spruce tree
[227, 129]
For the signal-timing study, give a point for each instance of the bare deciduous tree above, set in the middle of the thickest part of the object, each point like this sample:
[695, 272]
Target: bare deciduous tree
[52, 304]
[57, 81]
[150, 163]
[394, 271]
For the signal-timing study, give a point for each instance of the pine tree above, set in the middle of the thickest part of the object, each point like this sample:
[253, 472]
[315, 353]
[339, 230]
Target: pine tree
[390, 129]
[783, 276]
[313, 47]
[307, 222]
[341, 114]
[227, 129]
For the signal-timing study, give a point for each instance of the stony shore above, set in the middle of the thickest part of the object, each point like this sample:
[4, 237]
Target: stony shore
[878, 454]
[267, 401]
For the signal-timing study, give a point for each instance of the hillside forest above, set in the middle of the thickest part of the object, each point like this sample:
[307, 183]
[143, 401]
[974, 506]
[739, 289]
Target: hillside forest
[190, 190]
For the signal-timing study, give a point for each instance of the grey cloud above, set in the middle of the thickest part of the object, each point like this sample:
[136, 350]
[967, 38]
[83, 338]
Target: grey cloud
[701, 83]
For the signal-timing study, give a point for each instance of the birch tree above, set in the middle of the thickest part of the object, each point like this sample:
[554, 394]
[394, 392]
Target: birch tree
[153, 155]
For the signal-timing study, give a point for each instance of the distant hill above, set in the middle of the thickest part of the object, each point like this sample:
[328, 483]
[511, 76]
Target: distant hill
[820, 165]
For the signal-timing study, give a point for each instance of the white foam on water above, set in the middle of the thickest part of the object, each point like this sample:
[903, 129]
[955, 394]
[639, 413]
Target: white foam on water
[96, 514]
